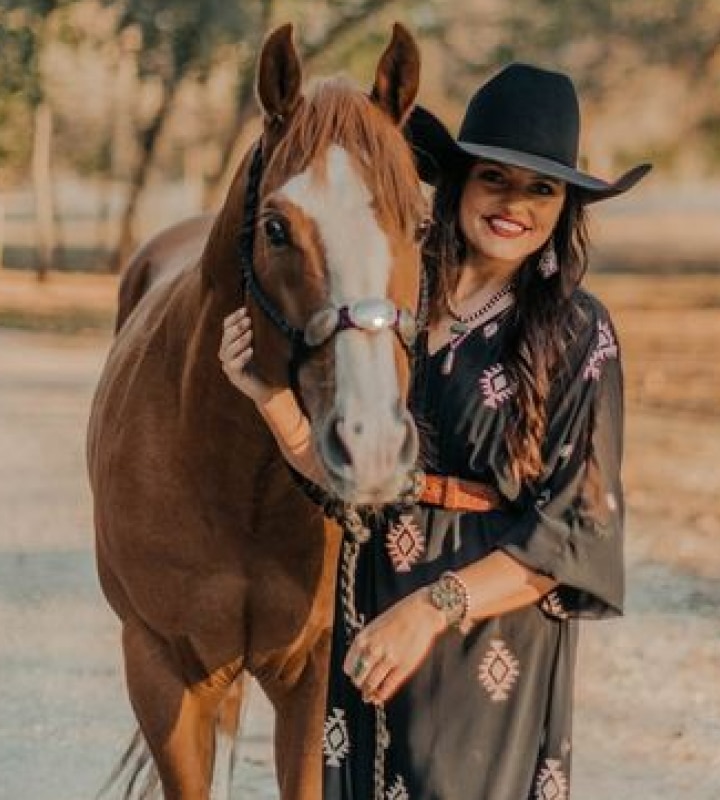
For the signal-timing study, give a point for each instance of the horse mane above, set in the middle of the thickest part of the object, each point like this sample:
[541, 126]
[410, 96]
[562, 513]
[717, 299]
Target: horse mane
[335, 111]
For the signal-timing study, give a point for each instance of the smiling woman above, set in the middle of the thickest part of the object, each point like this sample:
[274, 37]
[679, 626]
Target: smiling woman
[455, 634]
[507, 214]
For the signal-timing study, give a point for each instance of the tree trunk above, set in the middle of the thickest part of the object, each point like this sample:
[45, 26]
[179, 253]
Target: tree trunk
[138, 179]
[42, 186]
[2, 233]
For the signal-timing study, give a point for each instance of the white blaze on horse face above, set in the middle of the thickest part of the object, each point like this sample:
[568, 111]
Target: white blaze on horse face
[358, 261]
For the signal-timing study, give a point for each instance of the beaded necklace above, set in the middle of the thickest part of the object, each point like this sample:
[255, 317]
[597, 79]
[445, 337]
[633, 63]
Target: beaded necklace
[464, 325]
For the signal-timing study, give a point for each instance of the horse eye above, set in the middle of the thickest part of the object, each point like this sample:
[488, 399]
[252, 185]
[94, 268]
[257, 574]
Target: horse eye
[423, 229]
[277, 232]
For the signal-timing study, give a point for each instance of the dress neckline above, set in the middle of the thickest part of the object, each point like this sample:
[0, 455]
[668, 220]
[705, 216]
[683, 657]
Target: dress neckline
[493, 319]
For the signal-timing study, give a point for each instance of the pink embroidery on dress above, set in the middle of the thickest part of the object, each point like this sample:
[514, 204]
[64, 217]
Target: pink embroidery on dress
[405, 543]
[552, 784]
[495, 386]
[336, 743]
[498, 671]
[552, 604]
[605, 349]
[397, 791]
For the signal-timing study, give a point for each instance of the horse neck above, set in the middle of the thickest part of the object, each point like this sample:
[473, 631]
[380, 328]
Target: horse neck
[212, 410]
[221, 260]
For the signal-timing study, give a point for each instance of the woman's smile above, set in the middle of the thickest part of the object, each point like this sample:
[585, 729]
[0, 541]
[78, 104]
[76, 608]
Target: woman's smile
[505, 226]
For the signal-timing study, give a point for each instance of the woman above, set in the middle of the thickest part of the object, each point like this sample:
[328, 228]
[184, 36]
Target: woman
[454, 644]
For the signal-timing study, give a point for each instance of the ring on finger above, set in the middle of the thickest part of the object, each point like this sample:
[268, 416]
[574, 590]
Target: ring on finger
[359, 667]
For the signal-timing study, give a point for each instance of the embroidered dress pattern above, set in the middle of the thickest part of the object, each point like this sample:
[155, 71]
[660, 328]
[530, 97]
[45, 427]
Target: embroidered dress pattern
[495, 387]
[397, 791]
[473, 687]
[551, 782]
[605, 349]
[552, 604]
[405, 543]
[498, 671]
[336, 744]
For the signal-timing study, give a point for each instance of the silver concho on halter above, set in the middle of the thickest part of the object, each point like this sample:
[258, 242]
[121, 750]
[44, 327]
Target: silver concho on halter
[372, 315]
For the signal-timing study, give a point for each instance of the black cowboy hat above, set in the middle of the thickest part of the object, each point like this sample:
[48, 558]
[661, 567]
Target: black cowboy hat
[524, 117]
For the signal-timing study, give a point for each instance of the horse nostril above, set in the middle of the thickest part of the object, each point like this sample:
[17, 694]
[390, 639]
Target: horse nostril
[332, 444]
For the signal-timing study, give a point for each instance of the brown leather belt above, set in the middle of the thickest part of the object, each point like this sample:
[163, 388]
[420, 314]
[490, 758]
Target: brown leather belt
[456, 494]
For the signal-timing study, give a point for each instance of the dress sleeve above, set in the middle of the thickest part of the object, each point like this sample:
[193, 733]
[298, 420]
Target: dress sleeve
[572, 529]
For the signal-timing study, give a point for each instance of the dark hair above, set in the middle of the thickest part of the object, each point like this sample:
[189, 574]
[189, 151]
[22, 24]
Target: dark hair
[541, 318]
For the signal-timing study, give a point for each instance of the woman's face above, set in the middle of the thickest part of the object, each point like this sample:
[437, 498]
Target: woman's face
[507, 213]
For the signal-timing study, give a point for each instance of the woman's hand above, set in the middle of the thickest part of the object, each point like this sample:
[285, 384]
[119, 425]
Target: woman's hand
[389, 650]
[236, 353]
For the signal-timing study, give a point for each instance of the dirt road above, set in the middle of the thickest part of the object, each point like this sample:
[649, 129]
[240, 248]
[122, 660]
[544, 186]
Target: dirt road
[648, 711]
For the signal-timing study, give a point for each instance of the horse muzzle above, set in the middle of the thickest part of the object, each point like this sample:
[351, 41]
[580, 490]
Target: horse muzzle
[368, 460]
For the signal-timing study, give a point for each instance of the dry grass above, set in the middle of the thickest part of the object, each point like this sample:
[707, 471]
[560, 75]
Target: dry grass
[668, 327]
[64, 303]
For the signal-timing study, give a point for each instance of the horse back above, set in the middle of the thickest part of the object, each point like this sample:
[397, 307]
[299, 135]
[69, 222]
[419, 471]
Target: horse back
[161, 258]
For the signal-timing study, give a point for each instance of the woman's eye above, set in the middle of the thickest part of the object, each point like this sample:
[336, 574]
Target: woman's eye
[423, 229]
[545, 189]
[277, 232]
[493, 176]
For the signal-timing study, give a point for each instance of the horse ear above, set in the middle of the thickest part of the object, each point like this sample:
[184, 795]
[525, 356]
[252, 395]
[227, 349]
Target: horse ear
[398, 75]
[279, 78]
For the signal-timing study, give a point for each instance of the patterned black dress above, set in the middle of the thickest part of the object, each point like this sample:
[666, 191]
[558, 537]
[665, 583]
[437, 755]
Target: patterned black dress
[488, 715]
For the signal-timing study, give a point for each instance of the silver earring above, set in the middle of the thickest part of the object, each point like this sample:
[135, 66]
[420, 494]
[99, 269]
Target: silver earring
[548, 263]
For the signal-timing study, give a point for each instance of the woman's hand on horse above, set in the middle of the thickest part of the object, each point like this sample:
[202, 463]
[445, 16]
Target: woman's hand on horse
[236, 353]
[389, 650]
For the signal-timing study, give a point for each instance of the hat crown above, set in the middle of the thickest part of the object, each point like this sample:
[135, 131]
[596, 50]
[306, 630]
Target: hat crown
[528, 110]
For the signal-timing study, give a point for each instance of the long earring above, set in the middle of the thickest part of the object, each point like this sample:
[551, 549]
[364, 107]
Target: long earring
[548, 263]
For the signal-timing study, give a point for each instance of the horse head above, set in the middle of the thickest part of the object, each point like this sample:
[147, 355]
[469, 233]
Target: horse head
[334, 217]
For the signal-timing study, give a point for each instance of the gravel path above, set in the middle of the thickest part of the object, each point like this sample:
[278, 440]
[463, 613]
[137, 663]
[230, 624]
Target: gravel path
[648, 711]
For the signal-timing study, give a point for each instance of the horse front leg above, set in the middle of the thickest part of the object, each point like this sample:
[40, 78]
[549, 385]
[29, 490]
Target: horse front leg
[226, 728]
[299, 714]
[177, 718]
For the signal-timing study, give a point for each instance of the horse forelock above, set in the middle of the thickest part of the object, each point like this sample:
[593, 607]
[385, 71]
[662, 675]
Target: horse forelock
[335, 112]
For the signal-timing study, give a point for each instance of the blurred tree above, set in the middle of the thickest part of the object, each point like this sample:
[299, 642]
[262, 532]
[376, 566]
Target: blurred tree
[24, 29]
[323, 25]
[177, 39]
[607, 44]
[182, 39]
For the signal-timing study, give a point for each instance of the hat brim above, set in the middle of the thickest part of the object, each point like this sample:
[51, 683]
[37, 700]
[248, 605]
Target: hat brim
[436, 151]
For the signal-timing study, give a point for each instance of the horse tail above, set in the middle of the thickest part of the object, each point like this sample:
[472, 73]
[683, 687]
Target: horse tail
[135, 776]
[228, 723]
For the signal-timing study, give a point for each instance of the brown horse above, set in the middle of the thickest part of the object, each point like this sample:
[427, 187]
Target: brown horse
[214, 559]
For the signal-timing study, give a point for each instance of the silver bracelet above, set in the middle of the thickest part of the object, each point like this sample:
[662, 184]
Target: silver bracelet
[450, 595]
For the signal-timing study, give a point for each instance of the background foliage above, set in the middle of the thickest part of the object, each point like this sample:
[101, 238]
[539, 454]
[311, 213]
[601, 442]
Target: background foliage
[144, 92]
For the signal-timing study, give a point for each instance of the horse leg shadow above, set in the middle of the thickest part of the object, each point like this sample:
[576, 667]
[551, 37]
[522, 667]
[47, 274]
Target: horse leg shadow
[299, 715]
[189, 726]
